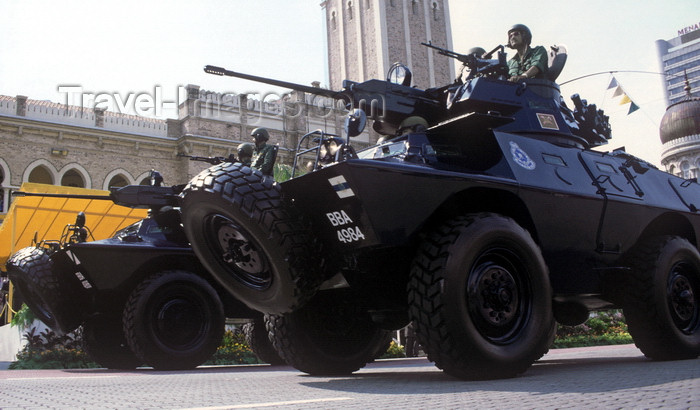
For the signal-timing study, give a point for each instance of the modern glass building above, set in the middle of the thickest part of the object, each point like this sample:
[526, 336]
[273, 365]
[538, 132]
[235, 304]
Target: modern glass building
[677, 57]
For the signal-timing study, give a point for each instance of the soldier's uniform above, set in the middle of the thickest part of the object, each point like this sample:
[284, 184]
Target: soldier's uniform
[264, 159]
[536, 57]
[265, 155]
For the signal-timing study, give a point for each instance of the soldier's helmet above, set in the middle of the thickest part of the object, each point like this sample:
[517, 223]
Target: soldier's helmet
[524, 31]
[246, 150]
[260, 134]
[412, 124]
[477, 51]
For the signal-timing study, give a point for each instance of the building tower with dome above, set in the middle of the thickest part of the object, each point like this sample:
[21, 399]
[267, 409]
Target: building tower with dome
[680, 136]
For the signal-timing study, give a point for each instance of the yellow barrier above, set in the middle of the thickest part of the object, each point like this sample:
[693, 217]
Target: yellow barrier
[47, 217]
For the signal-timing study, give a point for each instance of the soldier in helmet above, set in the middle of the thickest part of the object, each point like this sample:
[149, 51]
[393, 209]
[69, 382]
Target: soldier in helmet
[411, 124]
[245, 153]
[264, 154]
[528, 62]
[465, 73]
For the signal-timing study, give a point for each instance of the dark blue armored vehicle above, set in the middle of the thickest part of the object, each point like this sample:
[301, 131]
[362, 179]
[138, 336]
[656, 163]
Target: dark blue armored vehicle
[140, 297]
[483, 219]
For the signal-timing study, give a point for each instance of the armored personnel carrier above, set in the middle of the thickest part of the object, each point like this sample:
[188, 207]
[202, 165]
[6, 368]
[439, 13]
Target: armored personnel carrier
[141, 296]
[483, 219]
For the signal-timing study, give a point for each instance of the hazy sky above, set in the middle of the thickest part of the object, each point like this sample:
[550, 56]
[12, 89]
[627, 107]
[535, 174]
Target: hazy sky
[133, 47]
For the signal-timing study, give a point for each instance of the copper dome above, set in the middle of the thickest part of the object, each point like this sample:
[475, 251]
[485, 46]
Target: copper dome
[681, 119]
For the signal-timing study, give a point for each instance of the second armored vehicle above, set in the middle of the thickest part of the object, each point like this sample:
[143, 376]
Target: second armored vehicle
[141, 296]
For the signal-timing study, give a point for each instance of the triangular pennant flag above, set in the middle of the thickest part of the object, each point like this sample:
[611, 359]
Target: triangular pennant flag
[618, 92]
[613, 83]
[633, 107]
[625, 100]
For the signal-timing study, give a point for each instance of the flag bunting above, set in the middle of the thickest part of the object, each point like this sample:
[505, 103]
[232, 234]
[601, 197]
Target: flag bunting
[620, 92]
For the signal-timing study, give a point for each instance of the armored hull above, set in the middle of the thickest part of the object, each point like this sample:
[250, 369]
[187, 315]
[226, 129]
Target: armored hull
[141, 297]
[484, 219]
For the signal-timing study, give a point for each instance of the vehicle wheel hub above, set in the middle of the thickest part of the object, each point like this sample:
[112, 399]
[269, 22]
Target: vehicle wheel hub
[238, 253]
[237, 250]
[682, 298]
[180, 323]
[498, 296]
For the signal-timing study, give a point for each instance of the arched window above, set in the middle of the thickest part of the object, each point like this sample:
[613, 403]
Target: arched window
[120, 177]
[436, 11]
[41, 175]
[143, 179]
[73, 178]
[672, 170]
[118, 181]
[414, 6]
[349, 10]
[334, 23]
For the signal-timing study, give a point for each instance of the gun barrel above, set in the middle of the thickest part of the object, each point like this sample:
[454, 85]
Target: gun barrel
[76, 196]
[299, 87]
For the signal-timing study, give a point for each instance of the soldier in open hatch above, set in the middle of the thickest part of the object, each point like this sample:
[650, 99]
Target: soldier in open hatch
[528, 62]
[264, 159]
[465, 73]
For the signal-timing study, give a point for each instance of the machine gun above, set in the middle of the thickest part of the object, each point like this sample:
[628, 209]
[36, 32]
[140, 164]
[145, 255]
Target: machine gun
[486, 99]
[211, 160]
[466, 59]
[151, 197]
[385, 102]
[479, 65]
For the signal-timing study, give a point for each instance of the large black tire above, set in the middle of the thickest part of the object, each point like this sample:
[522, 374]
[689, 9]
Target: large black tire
[251, 241]
[31, 272]
[105, 343]
[480, 298]
[257, 339]
[174, 320]
[663, 305]
[330, 335]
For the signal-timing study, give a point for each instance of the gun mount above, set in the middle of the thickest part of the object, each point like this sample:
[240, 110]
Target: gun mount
[529, 107]
[210, 160]
[151, 197]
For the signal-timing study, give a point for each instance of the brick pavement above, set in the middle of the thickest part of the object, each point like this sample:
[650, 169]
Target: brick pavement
[600, 377]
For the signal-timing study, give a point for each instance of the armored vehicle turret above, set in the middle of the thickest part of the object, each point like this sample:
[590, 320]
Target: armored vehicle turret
[484, 219]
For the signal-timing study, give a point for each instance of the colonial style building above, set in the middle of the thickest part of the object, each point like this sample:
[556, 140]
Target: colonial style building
[59, 144]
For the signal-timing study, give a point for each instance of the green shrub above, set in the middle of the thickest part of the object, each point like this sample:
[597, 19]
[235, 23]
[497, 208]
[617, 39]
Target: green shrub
[233, 350]
[47, 350]
[602, 328]
[282, 172]
[23, 318]
[395, 350]
[56, 358]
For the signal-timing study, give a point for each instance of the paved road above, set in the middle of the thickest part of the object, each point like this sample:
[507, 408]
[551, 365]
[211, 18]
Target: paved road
[598, 377]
